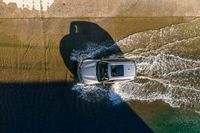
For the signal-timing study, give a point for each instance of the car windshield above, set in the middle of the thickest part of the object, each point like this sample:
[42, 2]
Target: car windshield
[102, 71]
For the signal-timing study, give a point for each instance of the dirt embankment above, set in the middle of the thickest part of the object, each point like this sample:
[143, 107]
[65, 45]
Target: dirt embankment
[108, 8]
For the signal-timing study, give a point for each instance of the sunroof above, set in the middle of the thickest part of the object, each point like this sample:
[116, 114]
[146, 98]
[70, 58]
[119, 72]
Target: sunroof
[117, 70]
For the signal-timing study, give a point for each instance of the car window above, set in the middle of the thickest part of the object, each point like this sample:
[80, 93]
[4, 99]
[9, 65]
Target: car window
[117, 70]
[102, 71]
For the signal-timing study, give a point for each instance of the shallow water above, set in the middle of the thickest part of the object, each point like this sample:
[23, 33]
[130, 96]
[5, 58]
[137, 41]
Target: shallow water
[166, 69]
[165, 93]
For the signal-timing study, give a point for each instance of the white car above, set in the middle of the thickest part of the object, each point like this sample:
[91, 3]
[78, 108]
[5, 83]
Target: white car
[105, 71]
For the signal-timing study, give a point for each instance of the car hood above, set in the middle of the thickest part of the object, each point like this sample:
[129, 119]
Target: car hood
[87, 71]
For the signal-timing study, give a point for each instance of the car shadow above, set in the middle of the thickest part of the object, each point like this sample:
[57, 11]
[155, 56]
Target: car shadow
[81, 35]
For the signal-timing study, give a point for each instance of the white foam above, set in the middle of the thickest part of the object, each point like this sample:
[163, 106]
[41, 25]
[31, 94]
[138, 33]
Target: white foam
[32, 4]
[93, 93]
[92, 51]
[162, 75]
[163, 64]
[152, 90]
[154, 39]
[176, 47]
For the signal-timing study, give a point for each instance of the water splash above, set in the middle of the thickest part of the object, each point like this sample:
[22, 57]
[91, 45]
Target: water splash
[168, 66]
[154, 39]
[93, 93]
[161, 64]
[188, 48]
[94, 51]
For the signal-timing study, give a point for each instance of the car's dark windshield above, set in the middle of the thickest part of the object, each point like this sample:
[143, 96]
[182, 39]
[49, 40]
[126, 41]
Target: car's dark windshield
[102, 71]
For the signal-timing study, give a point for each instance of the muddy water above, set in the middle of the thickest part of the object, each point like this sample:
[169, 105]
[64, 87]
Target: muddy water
[168, 70]
[168, 65]
[166, 51]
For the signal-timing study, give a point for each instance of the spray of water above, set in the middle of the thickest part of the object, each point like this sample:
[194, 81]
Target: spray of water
[168, 67]
[93, 93]
[94, 51]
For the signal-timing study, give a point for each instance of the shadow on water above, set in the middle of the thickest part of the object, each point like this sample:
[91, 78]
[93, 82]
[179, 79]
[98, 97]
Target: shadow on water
[81, 35]
[54, 108]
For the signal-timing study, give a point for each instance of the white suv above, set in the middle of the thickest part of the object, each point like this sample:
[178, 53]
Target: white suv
[96, 71]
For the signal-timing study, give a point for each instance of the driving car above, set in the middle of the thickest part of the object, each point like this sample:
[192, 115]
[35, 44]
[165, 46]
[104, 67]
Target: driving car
[106, 71]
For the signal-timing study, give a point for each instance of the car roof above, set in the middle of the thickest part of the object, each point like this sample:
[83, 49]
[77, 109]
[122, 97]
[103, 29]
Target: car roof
[121, 69]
